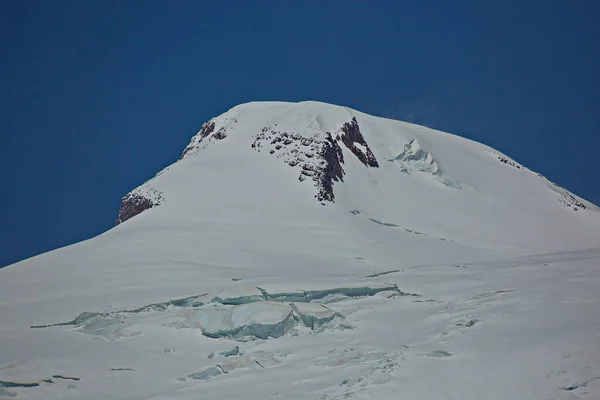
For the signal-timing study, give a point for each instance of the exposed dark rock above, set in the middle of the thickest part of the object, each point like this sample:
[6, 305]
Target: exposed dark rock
[319, 160]
[470, 323]
[132, 205]
[509, 162]
[351, 136]
[186, 150]
[220, 134]
[207, 129]
[331, 153]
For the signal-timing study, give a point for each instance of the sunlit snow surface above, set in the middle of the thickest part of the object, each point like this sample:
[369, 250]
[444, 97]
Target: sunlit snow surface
[449, 272]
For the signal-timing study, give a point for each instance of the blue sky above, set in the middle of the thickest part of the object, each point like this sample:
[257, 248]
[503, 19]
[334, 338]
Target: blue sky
[97, 96]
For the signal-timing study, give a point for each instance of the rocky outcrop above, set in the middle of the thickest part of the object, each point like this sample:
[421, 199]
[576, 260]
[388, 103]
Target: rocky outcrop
[205, 131]
[318, 158]
[332, 171]
[508, 161]
[355, 142]
[220, 134]
[318, 155]
[134, 203]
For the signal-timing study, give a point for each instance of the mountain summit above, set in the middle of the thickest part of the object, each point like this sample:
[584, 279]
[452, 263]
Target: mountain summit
[278, 160]
[311, 251]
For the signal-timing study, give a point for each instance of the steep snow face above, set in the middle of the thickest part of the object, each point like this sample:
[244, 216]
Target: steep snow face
[310, 251]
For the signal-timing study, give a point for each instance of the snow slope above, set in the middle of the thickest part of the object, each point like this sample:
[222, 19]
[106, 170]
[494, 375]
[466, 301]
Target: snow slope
[310, 251]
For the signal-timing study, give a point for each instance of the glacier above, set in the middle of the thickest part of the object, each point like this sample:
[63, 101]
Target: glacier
[312, 251]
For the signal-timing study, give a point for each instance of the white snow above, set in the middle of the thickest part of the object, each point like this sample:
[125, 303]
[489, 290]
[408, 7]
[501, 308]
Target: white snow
[485, 288]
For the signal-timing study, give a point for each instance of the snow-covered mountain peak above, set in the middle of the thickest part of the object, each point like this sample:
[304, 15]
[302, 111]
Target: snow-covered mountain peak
[283, 159]
[310, 251]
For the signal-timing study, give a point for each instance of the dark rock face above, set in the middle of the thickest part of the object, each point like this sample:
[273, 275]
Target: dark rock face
[185, 151]
[319, 158]
[508, 162]
[331, 153]
[207, 129]
[220, 134]
[132, 205]
[351, 136]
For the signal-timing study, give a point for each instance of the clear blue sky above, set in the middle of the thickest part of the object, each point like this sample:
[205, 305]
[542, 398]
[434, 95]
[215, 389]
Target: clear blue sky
[97, 96]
